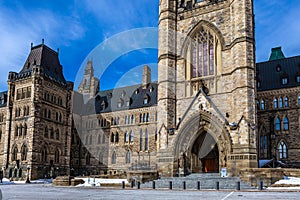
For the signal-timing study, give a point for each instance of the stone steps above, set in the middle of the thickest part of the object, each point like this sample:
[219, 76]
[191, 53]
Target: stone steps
[207, 181]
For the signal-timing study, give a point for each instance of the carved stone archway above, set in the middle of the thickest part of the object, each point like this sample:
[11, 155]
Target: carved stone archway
[198, 123]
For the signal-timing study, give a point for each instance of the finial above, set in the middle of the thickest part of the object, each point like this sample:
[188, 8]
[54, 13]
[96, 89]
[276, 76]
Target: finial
[57, 50]
[31, 45]
[43, 41]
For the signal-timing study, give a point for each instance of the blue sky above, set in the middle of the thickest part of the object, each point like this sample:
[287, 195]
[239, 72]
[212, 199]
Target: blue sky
[76, 27]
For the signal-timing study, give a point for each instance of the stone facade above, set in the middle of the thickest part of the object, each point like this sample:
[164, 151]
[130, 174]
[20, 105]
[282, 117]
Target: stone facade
[36, 123]
[200, 116]
[206, 45]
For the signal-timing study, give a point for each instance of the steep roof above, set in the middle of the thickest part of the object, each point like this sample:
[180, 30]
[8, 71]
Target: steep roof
[116, 99]
[42, 55]
[271, 73]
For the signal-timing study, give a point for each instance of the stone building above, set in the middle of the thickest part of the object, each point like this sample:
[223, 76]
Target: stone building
[278, 103]
[35, 118]
[210, 108]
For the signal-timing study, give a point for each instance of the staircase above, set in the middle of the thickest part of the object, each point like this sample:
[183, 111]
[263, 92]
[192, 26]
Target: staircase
[207, 181]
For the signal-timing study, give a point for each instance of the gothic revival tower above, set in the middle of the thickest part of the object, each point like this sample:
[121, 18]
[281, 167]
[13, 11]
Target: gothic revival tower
[89, 85]
[206, 92]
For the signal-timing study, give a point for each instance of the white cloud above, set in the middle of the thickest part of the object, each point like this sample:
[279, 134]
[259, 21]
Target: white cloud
[18, 28]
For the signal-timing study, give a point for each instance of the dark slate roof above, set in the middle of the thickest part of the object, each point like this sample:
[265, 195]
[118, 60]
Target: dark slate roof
[270, 73]
[47, 58]
[3, 99]
[107, 101]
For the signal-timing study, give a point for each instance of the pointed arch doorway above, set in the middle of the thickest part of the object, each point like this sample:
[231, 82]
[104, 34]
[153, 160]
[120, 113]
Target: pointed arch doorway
[204, 155]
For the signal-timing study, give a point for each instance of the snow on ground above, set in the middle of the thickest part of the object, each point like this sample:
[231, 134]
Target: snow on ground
[290, 183]
[98, 181]
[6, 181]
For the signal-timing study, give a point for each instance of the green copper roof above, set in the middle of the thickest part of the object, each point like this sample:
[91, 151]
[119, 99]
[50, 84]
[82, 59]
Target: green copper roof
[276, 54]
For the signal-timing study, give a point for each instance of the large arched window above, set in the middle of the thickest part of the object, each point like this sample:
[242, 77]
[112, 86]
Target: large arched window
[282, 150]
[277, 124]
[203, 54]
[285, 124]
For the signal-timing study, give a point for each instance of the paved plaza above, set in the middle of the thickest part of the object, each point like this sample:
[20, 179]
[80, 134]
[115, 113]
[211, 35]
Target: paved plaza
[40, 191]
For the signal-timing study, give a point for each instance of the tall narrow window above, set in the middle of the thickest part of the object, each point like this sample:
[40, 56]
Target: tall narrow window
[275, 103]
[131, 136]
[128, 157]
[112, 138]
[117, 138]
[262, 105]
[146, 140]
[14, 153]
[88, 159]
[299, 100]
[263, 144]
[126, 138]
[141, 140]
[132, 119]
[285, 124]
[282, 149]
[46, 134]
[114, 158]
[280, 102]
[44, 155]
[56, 156]
[277, 124]
[23, 153]
[286, 102]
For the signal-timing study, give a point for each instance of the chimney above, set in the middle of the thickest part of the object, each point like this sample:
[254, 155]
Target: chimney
[146, 76]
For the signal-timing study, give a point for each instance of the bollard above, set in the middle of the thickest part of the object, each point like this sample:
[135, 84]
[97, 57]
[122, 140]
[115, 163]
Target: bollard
[123, 184]
[131, 184]
[198, 185]
[138, 185]
[217, 185]
[153, 185]
[260, 185]
[170, 185]
[238, 185]
[184, 185]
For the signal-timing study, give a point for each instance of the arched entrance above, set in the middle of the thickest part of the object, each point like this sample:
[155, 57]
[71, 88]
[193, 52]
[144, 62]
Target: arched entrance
[202, 144]
[204, 154]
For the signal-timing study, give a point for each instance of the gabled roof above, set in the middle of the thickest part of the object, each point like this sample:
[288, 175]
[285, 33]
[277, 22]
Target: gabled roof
[46, 58]
[270, 73]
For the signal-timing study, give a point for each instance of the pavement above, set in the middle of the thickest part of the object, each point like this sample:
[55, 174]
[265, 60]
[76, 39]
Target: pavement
[47, 191]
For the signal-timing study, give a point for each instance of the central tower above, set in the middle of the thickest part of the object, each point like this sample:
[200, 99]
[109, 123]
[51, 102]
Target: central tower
[206, 69]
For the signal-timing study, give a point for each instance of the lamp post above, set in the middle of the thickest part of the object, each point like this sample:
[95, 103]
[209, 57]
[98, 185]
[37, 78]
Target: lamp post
[27, 178]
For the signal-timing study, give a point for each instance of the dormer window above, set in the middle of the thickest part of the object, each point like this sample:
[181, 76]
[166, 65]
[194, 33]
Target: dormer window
[298, 79]
[127, 103]
[136, 91]
[120, 103]
[146, 99]
[103, 105]
[284, 80]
